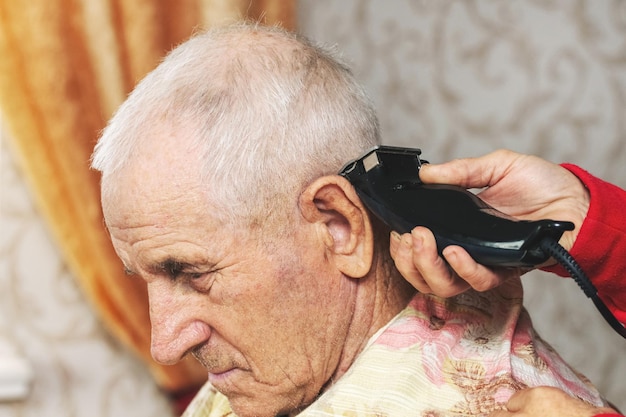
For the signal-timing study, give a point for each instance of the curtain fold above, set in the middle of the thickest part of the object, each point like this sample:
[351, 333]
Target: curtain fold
[65, 66]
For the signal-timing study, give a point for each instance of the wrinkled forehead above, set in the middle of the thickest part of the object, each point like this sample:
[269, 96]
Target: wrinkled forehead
[164, 168]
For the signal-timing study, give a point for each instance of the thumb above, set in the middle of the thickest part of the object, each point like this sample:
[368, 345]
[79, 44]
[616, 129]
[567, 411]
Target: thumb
[457, 172]
[483, 171]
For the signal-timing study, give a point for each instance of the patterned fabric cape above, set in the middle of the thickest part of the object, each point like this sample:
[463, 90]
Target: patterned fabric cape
[463, 356]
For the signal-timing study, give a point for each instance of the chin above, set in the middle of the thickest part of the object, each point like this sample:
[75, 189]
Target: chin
[243, 408]
[256, 407]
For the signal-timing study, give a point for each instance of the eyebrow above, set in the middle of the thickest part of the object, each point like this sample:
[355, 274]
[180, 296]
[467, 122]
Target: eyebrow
[170, 267]
[173, 267]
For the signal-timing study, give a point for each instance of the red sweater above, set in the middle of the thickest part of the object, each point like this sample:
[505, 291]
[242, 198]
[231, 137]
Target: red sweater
[600, 247]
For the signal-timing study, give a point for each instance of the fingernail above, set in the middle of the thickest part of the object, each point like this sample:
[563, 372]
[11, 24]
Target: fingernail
[418, 241]
[406, 240]
[395, 235]
[449, 255]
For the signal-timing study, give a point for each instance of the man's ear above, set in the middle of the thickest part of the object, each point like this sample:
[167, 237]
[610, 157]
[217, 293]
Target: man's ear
[331, 203]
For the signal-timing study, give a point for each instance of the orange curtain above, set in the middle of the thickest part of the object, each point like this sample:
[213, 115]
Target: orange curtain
[65, 66]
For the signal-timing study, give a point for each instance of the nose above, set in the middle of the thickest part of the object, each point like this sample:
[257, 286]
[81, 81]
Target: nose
[176, 324]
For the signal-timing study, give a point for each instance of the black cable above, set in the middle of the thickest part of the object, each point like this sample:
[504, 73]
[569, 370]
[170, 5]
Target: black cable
[562, 256]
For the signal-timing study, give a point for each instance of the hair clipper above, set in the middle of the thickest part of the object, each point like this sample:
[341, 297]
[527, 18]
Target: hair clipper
[387, 180]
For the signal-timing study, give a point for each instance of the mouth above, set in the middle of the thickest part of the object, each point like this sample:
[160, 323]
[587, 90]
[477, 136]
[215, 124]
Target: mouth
[222, 380]
[221, 367]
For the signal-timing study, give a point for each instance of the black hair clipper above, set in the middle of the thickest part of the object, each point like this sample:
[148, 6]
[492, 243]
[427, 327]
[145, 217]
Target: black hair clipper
[387, 180]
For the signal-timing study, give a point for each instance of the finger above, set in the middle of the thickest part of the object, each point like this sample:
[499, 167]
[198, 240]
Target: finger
[500, 413]
[535, 397]
[531, 398]
[478, 172]
[517, 401]
[478, 276]
[432, 267]
[462, 172]
[401, 249]
[551, 401]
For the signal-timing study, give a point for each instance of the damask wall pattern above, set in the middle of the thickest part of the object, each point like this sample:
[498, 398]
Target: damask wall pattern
[462, 78]
[456, 78]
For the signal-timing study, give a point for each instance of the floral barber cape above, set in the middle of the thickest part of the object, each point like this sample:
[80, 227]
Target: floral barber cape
[463, 356]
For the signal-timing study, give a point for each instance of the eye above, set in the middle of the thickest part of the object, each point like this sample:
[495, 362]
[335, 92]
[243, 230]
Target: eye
[200, 281]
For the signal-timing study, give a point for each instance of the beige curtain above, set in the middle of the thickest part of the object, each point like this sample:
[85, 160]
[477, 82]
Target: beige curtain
[65, 66]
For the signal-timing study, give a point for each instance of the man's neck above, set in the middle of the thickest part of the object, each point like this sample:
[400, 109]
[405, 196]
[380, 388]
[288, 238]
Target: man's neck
[381, 296]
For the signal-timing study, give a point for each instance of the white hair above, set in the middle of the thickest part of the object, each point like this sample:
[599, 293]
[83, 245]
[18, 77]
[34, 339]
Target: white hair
[268, 111]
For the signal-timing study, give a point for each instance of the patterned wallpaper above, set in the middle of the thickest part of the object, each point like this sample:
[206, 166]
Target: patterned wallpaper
[456, 78]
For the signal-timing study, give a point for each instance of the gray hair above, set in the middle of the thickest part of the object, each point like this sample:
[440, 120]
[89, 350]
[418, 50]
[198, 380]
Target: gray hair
[267, 110]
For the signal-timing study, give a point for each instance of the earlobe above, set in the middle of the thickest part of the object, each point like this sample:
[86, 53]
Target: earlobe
[331, 203]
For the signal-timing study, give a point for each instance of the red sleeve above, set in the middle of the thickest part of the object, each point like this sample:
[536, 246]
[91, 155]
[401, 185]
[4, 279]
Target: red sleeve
[600, 247]
[608, 415]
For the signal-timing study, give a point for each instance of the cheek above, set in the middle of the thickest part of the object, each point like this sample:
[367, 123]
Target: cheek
[287, 313]
[298, 320]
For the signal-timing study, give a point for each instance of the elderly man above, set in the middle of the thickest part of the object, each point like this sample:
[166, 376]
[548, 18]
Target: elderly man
[219, 189]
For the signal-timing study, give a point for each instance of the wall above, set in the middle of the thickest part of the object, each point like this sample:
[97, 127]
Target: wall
[462, 78]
